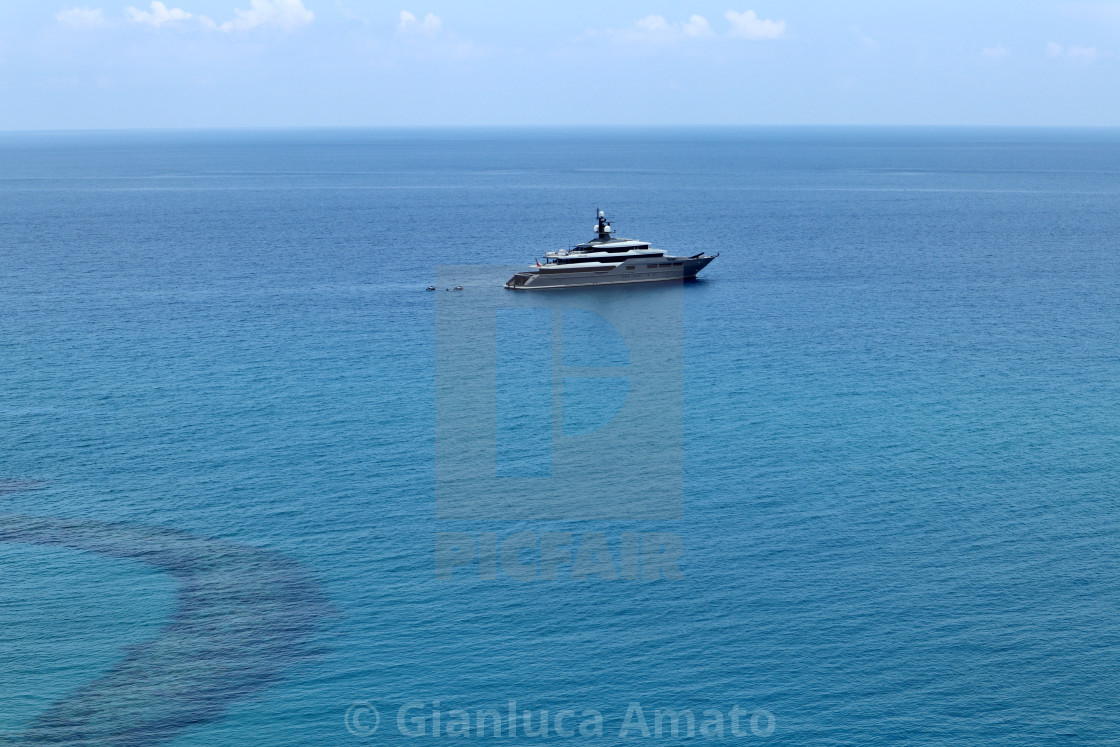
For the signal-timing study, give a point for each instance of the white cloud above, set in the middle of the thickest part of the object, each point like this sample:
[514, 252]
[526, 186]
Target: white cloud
[284, 14]
[1074, 52]
[864, 40]
[351, 15]
[654, 24]
[1086, 54]
[697, 26]
[81, 18]
[409, 24]
[159, 14]
[748, 25]
[427, 39]
[995, 52]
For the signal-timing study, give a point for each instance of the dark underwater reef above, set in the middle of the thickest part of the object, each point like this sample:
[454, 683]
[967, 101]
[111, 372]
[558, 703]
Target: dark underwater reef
[243, 616]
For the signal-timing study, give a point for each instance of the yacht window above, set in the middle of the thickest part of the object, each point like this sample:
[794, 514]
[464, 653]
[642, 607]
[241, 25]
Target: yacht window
[629, 267]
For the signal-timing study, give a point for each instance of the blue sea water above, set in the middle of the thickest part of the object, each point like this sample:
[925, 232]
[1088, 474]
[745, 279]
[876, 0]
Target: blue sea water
[901, 419]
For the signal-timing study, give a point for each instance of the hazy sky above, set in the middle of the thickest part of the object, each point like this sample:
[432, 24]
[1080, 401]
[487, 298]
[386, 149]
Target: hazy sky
[201, 63]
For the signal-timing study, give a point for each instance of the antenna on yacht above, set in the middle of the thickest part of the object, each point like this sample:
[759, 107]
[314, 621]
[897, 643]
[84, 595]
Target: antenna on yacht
[602, 227]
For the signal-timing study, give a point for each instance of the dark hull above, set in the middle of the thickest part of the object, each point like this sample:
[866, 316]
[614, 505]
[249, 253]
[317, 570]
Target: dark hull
[669, 268]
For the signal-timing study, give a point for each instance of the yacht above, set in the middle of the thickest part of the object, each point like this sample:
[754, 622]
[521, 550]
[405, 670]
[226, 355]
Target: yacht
[606, 260]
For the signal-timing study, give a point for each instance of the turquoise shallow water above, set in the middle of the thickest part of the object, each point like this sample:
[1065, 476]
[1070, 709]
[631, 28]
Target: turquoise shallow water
[900, 435]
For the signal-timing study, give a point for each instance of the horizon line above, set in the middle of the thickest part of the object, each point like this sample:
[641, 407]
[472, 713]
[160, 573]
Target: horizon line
[586, 127]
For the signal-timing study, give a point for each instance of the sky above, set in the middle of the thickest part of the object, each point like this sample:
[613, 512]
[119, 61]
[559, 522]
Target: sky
[116, 64]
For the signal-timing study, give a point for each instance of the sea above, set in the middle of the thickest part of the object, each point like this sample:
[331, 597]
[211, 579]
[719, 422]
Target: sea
[889, 451]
